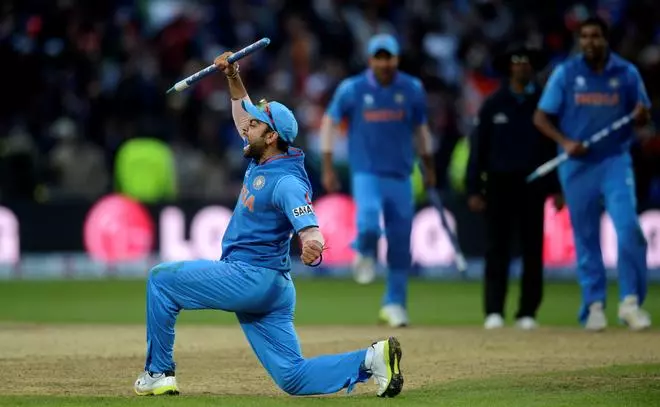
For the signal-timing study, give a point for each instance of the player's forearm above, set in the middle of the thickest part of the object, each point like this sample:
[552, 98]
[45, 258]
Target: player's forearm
[241, 117]
[238, 94]
[311, 234]
[328, 129]
[427, 161]
[237, 90]
[545, 126]
[424, 145]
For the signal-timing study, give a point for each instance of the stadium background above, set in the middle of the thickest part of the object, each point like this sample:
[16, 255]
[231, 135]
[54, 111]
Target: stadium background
[84, 116]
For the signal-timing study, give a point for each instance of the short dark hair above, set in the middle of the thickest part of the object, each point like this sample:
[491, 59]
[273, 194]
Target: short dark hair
[598, 22]
[282, 145]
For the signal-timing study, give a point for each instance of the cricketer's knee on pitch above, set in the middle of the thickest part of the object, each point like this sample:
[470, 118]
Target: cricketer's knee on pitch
[274, 340]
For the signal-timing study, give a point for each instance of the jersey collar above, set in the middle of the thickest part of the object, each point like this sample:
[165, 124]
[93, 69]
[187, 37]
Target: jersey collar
[611, 61]
[292, 153]
[371, 78]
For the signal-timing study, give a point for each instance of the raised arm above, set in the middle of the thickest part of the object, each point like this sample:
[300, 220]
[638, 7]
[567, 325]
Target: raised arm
[237, 91]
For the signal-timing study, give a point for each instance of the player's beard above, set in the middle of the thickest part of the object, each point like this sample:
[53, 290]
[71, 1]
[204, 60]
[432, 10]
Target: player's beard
[385, 75]
[256, 149]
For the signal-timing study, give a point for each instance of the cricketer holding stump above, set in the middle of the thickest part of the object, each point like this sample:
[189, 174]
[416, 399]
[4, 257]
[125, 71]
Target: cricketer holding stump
[252, 277]
[386, 114]
[587, 93]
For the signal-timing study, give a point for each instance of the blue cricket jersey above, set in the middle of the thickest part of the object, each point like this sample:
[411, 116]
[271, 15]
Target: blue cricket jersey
[586, 102]
[275, 201]
[381, 122]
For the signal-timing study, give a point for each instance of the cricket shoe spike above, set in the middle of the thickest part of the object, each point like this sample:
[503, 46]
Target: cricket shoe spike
[156, 384]
[383, 362]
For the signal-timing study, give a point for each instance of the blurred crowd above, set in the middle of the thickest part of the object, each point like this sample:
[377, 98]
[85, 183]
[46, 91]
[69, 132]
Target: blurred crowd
[85, 78]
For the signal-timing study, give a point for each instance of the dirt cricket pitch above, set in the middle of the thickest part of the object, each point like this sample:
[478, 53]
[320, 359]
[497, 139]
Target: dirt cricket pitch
[104, 360]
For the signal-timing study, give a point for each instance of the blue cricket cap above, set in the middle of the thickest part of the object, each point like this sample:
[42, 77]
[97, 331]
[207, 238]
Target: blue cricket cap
[280, 119]
[383, 42]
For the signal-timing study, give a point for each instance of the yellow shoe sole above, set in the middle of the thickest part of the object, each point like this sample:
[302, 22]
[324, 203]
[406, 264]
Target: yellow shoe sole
[393, 356]
[170, 390]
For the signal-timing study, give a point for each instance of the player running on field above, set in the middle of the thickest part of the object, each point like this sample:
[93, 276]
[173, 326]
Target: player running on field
[587, 93]
[386, 114]
[252, 277]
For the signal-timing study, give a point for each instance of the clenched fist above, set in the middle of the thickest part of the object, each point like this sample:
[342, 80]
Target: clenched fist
[574, 148]
[223, 65]
[311, 251]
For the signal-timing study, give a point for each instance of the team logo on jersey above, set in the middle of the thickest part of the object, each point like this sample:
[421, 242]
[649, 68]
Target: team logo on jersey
[399, 98]
[259, 182]
[500, 118]
[368, 100]
[614, 83]
[303, 210]
[580, 82]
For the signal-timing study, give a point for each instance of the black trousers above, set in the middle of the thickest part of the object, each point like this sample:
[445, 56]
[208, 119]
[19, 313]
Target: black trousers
[514, 209]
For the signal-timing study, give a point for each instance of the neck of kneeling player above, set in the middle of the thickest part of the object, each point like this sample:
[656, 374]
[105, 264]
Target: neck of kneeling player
[278, 148]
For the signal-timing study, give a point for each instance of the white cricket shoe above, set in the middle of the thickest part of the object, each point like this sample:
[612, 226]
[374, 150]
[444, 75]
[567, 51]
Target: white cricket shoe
[394, 315]
[364, 269]
[383, 362]
[633, 316]
[494, 321]
[155, 384]
[596, 321]
[526, 324]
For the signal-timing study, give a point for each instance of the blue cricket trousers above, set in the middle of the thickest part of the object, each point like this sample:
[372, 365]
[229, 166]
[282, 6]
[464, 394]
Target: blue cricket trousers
[264, 302]
[393, 197]
[586, 188]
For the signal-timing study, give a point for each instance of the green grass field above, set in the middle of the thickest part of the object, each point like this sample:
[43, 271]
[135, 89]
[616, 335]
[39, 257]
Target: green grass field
[434, 307]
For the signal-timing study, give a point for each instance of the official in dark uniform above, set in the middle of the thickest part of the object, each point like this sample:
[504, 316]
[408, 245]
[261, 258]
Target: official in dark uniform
[504, 148]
